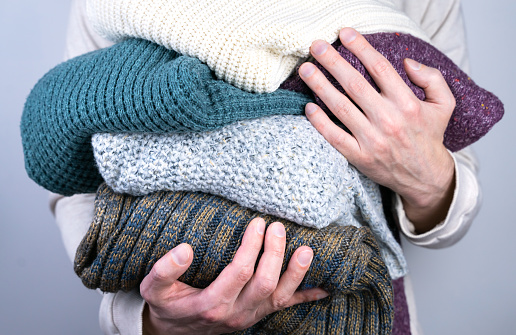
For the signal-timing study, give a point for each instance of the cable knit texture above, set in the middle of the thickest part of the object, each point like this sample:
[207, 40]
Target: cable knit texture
[278, 165]
[252, 44]
[134, 86]
[476, 110]
[129, 234]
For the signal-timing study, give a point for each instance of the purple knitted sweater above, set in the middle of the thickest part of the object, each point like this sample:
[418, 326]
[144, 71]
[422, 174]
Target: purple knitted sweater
[476, 111]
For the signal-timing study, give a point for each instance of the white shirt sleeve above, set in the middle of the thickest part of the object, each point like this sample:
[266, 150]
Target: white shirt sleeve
[121, 312]
[463, 209]
[442, 20]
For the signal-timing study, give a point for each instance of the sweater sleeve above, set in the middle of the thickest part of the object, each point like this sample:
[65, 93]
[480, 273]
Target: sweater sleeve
[442, 20]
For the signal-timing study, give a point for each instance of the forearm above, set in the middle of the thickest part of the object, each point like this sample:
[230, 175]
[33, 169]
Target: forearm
[432, 198]
[466, 201]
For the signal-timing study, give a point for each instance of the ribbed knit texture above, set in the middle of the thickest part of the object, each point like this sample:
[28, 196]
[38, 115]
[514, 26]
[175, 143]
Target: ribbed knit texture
[476, 110]
[401, 322]
[252, 44]
[129, 234]
[134, 86]
[278, 165]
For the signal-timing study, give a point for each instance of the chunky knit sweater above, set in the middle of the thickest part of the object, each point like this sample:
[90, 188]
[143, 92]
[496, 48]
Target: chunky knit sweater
[278, 165]
[129, 234]
[134, 86]
[476, 110]
[252, 44]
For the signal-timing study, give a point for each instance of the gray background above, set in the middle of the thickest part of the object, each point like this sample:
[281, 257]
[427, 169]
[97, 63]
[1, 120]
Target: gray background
[466, 289]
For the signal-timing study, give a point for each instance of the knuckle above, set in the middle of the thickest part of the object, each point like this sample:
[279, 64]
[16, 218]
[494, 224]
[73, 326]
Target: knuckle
[435, 75]
[152, 298]
[342, 108]
[360, 44]
[338, 140]
[452, 103]
[297, 274]
[411, 106]
[280, 302]
[214, 316]
[332, 60]
[394, 131]
[245, 273]
[381, 67]
[159, 272]
[357, 86]
[145, 292]
[277, 252]
[380, 144]
[237, 322]
[317, 86]
[265, 286]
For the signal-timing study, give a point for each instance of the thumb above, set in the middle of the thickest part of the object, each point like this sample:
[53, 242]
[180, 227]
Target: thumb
[432, 82]
[167, 270]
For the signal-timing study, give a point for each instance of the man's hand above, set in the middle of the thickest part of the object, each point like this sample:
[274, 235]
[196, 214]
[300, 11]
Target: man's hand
[396, 140]
[238, 298]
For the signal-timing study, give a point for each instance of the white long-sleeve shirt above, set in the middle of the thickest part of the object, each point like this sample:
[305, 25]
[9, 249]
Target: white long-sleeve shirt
[121, 313]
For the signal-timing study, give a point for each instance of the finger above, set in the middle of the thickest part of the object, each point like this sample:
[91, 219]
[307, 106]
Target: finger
[337, 102]
[235, 276]
[266, 278]
[432, 82]
[312, 294]
[292, 278]
[380, 69]
[345, 143]
[355, 85]
[166, 271]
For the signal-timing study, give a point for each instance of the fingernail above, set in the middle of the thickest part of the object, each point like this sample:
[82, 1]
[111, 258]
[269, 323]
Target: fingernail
[306, 70]
[278, 230]
[260, 226]
[321, 295]
[348, 35]
[413, 64]
[305, 257]
[318, 48]
[181, 254]
[310, 108]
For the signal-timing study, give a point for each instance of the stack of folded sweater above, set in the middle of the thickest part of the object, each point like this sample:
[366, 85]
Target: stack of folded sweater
[188, 100]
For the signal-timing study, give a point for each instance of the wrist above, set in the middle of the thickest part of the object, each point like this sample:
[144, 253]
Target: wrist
[428, 204]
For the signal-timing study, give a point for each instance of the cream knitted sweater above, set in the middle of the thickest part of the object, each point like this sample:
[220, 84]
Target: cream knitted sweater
[252, 44]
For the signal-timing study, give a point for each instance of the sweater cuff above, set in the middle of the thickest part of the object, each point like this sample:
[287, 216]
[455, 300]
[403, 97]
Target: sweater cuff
[122, 313]
[463, 209]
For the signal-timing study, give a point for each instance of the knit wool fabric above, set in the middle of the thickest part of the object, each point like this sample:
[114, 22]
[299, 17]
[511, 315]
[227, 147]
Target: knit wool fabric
[129, 234]
[252, 44]
[278, 165]
[134, 86]
[476, 110]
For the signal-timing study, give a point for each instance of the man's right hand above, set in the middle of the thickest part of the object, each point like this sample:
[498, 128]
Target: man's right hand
[238, 298]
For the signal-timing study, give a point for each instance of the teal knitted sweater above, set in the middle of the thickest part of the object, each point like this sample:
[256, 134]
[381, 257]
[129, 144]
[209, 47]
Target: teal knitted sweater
[133, 86]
